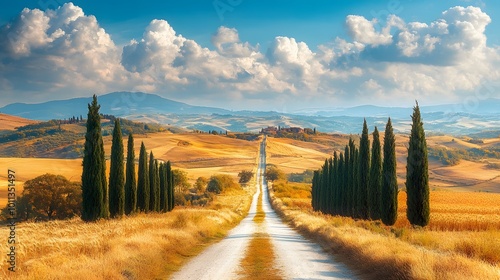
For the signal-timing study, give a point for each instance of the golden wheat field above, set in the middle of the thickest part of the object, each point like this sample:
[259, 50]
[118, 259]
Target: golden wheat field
[197, 154]
[462, 240]
[451, 247]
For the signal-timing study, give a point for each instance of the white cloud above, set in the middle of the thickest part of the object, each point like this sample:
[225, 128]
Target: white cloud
[363, 31]
[56, 52]
[227, 42]
[64, 51]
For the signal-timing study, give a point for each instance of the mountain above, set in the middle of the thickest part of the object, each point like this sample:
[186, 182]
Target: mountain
[117, 103]
[471, 117]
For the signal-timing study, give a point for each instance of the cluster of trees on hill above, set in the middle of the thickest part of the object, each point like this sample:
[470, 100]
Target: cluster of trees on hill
[72, 120]
[353, 183]
[153, 191]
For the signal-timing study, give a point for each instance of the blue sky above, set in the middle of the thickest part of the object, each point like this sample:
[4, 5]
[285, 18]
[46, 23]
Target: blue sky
[243, 54]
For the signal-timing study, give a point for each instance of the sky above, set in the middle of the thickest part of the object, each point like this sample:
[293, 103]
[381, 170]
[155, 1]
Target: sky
[278, 55]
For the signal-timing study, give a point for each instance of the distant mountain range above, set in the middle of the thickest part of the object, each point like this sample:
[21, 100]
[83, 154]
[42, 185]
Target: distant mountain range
[457, 119]
[116, 103]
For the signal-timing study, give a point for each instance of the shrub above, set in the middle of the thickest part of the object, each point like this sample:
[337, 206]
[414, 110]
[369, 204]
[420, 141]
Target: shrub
[245, 176]
[220, 183]
[273, 173]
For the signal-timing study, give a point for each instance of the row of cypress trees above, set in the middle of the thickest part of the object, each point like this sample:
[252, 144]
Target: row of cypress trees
[356, 185]
[153, 191]
[363, 187]
[155, 184]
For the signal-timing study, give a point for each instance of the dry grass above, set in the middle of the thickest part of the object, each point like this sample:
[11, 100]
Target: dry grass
[8, 122]
[203, 155]
[259, 260]
[401, 252]
[142, 246]
[29, 168]
[198, 154]
[138, 247]
[458, 211]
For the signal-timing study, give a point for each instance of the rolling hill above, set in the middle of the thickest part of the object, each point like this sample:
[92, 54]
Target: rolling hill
[9, 122]
[451, 119]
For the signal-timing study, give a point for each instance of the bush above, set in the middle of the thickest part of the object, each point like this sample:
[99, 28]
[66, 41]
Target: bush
[273, 174]
[201, 184]
[220, 183]
[304, 177]
[181, 181]
[245, 176]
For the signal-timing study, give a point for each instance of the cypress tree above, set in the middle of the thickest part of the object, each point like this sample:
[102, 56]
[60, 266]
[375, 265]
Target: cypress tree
[375, 177]
[389, 201]
[314, 190]
[350, 180]
[331, 186]
[364, 172]
[417, 174]
[116, 174]
[171, 184]
[143, 181]
[154, 191]
[357, 201]
[340, 200]
[94, 166]
[336, 183]
[163, 187]
[324, 187]
[158, 187]
[345, 184]
[130, 182]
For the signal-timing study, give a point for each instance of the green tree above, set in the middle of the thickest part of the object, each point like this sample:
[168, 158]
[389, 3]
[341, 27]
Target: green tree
[336, 182]
[51, 197]
[171, 190]
[314, 190]
[163, 187]
[351, 179]
[346, 210]
[94, 188]
[116, 174]
[375, 191]
[389, 201]
[154, 187]
[339, 186]
[355, 176]
[130, 182]
[364, 173]
[143, 181]
[417, 174]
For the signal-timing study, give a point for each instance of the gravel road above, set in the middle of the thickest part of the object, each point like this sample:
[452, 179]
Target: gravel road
[296, 257]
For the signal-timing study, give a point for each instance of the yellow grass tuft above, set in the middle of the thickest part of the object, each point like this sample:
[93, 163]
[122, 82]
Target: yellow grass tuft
[259, 260]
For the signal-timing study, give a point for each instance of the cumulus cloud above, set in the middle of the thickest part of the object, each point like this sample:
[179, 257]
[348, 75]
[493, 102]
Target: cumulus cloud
[65, 51]
[227, 42]
[57, 51]
[363, 31]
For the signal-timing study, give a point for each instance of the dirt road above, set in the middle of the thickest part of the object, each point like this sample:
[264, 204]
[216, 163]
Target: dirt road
[296, 257]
